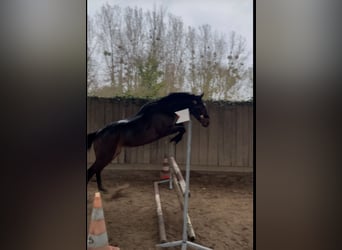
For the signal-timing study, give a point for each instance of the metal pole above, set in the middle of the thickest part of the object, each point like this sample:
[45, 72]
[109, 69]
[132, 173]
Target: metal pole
[184, 242]
[187, 178]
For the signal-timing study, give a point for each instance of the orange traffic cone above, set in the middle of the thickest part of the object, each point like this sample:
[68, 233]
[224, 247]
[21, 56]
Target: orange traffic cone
[165, 173]
[97, 237]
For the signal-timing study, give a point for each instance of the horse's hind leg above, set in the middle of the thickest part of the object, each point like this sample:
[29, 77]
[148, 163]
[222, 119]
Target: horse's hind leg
[99, 182]
[98, 174]
[96, 168]
[99, 165]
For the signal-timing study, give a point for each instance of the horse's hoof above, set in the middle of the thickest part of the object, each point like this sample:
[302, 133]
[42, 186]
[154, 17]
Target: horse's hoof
[103, 190]
[175, 140]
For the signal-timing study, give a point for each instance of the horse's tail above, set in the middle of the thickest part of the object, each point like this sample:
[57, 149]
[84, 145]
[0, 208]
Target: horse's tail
[90, 139]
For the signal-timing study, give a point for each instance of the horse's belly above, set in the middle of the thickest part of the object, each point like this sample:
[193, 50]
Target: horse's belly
[139, 138]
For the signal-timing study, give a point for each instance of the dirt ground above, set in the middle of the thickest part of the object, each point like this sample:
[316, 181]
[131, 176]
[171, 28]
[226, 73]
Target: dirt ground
[220, 208]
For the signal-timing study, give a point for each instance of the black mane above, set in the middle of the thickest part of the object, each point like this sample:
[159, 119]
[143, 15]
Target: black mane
[171, 102]
[175, 96]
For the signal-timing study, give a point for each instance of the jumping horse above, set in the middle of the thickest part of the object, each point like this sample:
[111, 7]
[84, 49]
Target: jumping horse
[154, 120]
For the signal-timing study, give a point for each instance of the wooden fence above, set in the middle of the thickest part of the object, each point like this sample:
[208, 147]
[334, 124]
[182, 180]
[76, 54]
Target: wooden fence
[226, 145]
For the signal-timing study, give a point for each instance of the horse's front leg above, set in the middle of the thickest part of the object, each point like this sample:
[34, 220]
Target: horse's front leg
[99, 182]
[181, 131]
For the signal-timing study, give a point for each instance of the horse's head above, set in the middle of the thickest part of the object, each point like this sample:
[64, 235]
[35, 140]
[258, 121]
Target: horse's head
[199, 111]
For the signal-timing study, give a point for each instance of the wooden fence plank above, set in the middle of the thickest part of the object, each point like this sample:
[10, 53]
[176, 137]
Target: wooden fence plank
[228, 130]
[130, 153]
[89, 118]
[92, 108]
[213, 134]
[118, 108]
[120, 113]
[231, 120]
[99, 113]
[241, 136]
[220, 140]
[204, 144]
[146, 153]
[91, 124]
[250, 135]
[153, 152]
[108, 111]
[195, 140]
[181, 150]
[245, 143]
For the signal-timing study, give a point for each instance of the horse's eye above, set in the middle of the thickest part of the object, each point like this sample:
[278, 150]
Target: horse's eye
[194, 102]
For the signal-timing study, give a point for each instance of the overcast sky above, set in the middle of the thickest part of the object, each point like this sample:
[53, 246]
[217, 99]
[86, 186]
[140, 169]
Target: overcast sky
[222, 15]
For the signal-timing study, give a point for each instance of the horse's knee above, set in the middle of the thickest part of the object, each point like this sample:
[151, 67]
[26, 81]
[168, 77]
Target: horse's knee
[96, 168]
[177, 138]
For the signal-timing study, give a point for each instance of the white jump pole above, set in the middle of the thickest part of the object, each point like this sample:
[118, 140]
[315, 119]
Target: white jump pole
[184, 242]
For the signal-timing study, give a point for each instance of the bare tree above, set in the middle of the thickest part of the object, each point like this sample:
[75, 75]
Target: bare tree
[108, 21]
[205, 60]
[134, 43]
[174, 54]
[151, 54]
[236, 59]
[191, 58]
[92, 82]
[150, 64]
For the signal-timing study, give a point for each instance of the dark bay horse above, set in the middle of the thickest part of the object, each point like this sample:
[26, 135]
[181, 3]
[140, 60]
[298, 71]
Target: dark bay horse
[154, 120]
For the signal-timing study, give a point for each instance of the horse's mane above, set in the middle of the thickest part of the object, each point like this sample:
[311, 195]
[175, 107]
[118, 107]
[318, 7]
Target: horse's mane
[171, 98]
[176, 95]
